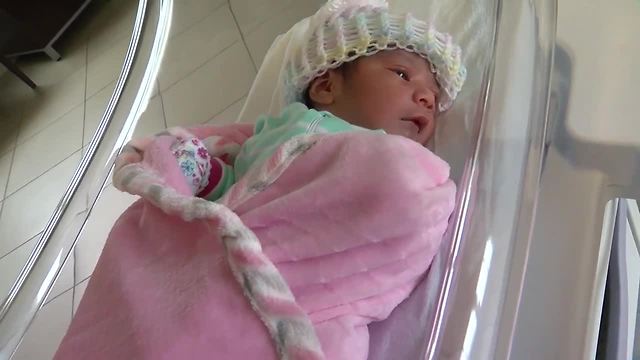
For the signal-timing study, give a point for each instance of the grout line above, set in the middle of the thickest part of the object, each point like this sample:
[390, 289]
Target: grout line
[199, 67]
[226, 108]
[73, 301]
[263, 21]
[84, 103]
[19, 246]
[75, 285]
[48, 300]
[84, 111]
[18, 143]
[5, 196]
[5, 186]
[164, 114]
[244, 42]
[73, 288]
[103, 106]
[22, 187]
[75, 272]
[85, 279]
[61, 116]
[192, 25]
[46, 171]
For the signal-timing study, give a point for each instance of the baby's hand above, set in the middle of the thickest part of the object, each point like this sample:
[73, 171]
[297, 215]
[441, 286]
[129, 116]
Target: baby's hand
[133, 152]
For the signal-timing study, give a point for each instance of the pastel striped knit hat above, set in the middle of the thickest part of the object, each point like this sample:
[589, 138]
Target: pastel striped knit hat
[344, 30]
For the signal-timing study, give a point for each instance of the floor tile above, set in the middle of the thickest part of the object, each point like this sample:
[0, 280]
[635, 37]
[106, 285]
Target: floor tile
[45, 149]
[11, 265]
[109, 207]
[8, 134]
[95, 18]
[152, 120]
[79, 292]
[111, 24]
[210, 89]
[26, 212]
[250, 14]
[95, 108]
[14, 94]
[230, 114]
[64, 282]
[47, 330]
[5, 167]
[260, 39]
[106, 68]
[97, 104]
[46, 72]
[194, 47]
[50, 103]
[186, 13]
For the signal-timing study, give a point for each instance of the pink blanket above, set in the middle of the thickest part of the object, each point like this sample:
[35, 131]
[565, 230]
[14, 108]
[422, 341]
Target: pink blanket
[294, 263]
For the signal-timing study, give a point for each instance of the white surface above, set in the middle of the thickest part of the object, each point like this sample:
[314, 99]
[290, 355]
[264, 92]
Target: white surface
[602, 37]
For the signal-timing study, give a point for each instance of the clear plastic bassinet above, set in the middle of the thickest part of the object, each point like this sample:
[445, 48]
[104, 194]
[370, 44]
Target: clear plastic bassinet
[493, 137]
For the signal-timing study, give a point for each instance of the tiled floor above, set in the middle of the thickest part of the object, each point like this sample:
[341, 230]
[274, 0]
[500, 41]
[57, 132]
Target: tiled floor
[214, 51]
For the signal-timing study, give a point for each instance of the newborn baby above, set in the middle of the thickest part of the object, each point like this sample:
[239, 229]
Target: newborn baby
[395, 91]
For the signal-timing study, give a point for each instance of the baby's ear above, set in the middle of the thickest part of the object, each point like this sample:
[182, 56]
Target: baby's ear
[324, 89]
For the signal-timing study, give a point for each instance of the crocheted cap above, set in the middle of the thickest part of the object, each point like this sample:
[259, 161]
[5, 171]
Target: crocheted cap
[344, 30]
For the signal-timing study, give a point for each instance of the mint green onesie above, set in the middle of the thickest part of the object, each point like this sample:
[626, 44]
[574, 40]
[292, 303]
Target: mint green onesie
[271, 132]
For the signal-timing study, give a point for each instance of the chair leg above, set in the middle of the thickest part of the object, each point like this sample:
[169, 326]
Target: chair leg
[14, 69]
[52, 53]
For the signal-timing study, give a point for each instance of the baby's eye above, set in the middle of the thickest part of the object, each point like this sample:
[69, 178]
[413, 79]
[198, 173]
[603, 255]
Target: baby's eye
[403, 74]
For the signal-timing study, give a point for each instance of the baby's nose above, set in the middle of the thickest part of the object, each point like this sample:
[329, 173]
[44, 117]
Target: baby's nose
[426, 98]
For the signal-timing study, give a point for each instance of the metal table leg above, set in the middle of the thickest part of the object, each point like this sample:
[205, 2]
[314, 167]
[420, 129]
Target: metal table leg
[14, 69]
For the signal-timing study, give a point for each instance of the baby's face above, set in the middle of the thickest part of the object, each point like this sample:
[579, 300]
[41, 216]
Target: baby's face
[392, 90]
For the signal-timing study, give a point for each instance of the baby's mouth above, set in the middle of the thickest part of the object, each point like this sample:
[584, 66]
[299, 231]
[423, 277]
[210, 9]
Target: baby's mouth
[420, 122]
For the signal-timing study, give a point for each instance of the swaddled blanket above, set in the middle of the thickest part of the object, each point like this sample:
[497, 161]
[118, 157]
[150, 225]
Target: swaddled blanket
[329, 235]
